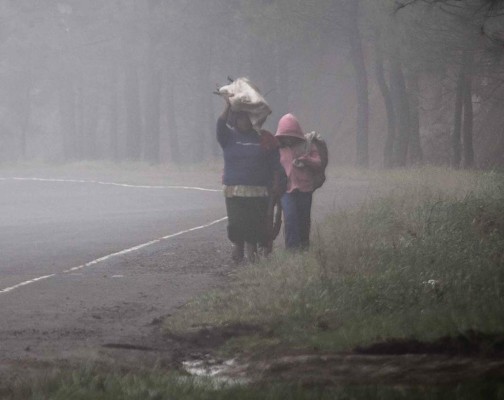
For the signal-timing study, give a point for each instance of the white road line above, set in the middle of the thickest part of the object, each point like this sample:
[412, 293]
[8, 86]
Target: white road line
[10, 289]
[119, 253]
[111, 184]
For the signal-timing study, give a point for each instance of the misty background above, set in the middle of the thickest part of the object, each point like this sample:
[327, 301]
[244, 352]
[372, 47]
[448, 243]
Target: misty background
[387, 83]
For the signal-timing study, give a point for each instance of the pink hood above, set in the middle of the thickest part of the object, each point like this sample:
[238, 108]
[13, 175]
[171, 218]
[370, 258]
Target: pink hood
[289, 126]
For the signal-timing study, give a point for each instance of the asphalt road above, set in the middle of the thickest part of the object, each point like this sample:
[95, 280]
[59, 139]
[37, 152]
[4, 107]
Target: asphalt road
[73, 283]
[47, 227]
[52, 292]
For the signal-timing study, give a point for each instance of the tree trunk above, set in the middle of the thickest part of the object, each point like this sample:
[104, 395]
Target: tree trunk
[67, 117]
[153, 109]
[92, 120]
[467, 128]
[152, 117]
[401, 106]
[388, 150]
[154, 87]
[415, 145]
[114, 115]
[265, 72]
[25, 118]
[173, 139]
[80, 148]
[133, 115]
[457, 120]
[361, 87]
[201, 143]
[283, 55]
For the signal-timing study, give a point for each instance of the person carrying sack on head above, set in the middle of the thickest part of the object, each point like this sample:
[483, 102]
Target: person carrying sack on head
[251, 179]
[302, 163]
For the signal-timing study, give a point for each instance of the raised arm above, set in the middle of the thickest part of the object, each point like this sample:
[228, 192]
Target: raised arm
[223, 131]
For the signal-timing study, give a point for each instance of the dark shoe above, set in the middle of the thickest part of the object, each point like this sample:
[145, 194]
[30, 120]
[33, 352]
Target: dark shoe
[264, 251]
[238, 252]
[251, 252]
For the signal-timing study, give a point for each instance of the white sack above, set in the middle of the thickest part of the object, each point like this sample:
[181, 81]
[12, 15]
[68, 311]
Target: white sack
[244, 96]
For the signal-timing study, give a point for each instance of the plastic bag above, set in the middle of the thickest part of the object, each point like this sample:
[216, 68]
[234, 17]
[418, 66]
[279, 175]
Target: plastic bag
[244, 96]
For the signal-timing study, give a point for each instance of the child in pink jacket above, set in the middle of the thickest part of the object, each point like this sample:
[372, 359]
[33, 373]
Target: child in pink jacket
[299, 163]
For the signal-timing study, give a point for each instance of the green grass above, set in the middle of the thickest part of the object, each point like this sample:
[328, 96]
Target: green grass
[366, 276]
[93, 385]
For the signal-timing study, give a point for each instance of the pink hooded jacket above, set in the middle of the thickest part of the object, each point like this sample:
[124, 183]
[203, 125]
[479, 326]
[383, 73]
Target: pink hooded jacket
[298, 177]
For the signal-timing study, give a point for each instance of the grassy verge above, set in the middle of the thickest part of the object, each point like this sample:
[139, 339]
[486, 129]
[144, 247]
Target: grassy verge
[423, 260]
[93, 385]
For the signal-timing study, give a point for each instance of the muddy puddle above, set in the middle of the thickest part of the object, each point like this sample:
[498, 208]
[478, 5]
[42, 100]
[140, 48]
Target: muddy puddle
[227, 372]
[364, 376]
[447, 364]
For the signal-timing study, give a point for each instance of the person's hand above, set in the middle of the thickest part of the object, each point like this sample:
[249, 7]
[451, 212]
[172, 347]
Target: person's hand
[276, 191]
[227, 101]
[278, 186]
[227, 108]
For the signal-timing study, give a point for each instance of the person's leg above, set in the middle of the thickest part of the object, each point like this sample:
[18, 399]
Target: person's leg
[251, 251]
[257, 208]
[262, 230]
[304, 203]
[238, 252]
[235, 227]
[291, 221]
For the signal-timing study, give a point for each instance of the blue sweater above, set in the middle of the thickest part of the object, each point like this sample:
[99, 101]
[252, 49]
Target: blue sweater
[245, 162]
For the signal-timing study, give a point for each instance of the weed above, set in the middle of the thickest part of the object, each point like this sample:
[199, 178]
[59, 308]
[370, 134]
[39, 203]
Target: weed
[422, 261]
[89, 384]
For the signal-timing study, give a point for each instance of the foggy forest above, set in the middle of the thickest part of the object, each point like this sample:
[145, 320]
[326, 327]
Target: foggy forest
[156, 243]
[387, 83]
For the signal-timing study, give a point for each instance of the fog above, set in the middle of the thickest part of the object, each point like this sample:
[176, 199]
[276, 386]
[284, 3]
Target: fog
[387, 83]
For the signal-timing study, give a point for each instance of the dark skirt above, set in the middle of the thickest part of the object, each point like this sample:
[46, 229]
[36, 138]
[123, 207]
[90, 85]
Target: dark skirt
[247, 219]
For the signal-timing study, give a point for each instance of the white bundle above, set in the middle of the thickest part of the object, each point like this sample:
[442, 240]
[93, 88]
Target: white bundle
[244, 96]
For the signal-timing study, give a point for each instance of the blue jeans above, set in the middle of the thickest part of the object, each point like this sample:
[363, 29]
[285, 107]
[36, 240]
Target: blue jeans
[297, 215]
